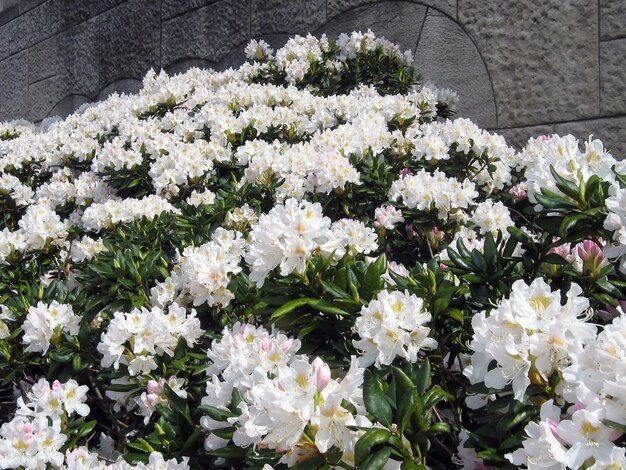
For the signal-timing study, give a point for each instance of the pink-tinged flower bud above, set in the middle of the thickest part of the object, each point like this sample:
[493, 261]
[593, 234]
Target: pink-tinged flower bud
[592, 257]
[410, 231]
[519, 192]
[266, 344]
[28, 428]
[406, 172]
[286, 345]
[565, 252]
[152, 399]
[609, 312]
[154, 387]
[56, 385]
[321, 371]
[544, 138]
[434, 237]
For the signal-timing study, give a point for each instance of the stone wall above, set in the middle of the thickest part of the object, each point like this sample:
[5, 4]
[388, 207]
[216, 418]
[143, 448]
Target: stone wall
[521, 67]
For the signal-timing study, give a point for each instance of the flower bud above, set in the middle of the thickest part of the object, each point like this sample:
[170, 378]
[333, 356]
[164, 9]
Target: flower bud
[154, 387]
[321, 371]
[592, 257]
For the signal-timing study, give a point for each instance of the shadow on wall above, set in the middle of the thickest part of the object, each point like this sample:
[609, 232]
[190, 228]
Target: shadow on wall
[445, 55]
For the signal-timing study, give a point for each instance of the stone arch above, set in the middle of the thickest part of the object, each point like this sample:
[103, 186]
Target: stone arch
[445, 54]
[123, 85]
[67, 105]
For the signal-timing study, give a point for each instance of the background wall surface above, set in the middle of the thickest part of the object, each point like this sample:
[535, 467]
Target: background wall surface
[522, 67]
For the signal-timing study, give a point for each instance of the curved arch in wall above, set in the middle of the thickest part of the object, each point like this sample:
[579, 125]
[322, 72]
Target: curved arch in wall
[68, 104]
[445, 54]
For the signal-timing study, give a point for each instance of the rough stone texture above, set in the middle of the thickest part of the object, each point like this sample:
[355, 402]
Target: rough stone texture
[612, 19]
[13, 87]
[41, 22]
[128, 40]
[542, 57]
[399, 22]
[172, 8]
[10, 41]
[68, 105]
[206, 33]
[336, 7]
[517, 137]
[121, 43]
[613, 76]
[447, 57]
[48, 19]
[185, 64]
[236, 57]
[44, 95]
[26, 5]
[9, 13]
[125, 85]
[544, 62]
[610, 130]
[286, 16]
[45, 59]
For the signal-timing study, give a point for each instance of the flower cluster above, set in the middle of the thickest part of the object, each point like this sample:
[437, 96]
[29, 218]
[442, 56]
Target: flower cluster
[306, 260]
[530, 334]
[425, 191]
[203, 273]
[136, 338]
[284, 395]
[34, 437]
[44, 322]
[580, 436]
[393, 325]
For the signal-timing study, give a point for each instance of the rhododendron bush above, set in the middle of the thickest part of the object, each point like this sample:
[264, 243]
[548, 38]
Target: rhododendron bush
[307, 262]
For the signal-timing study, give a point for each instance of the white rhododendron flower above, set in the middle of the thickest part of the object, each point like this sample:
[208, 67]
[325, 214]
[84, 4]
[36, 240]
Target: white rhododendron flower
[44, 321]
[393, 325]
[286, 237]
[135, 338]
[530, 329]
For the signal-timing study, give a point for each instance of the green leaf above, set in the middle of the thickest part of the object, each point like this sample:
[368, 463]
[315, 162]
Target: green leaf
[613, 425]
[230, 452]
[334, 290]
[521, 236]
[86, 428]
[408, 465]
[326, 307]
[290, 306]
[492, 456]
[555, 258]
[435, 395]
[567, 187]
[610, 288]
[490, 250]
[376, 400]
[422, 377]
[216, 413]
[175, 401]
[372, 281]
[457, 261]
[372, 438]
[569, 222]
[377, 460]
[509, 422]
[191, 441]
[408, 401]
[551, 224]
